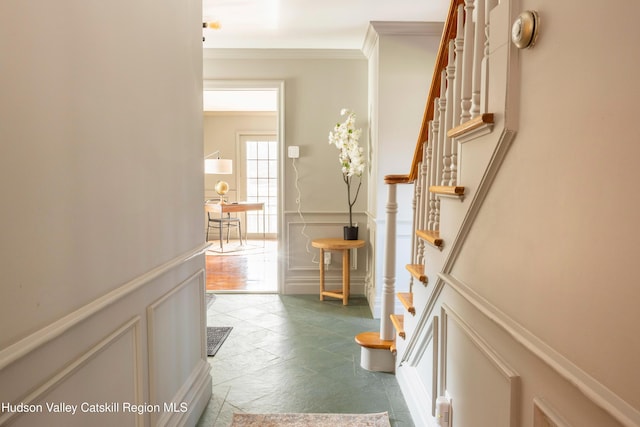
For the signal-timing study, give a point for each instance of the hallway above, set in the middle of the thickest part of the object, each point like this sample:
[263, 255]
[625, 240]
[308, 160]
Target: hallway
[295, 354]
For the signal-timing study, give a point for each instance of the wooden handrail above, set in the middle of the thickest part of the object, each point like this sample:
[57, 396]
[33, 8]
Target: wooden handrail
[449, 33]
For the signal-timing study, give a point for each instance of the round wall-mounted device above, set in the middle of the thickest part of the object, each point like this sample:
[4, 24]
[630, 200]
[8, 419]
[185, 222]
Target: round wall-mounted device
[524, 31]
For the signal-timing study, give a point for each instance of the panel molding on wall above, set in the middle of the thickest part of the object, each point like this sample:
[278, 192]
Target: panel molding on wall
[545, 416]
[592, 389]
[130, 330]
[164, 309]
[294, 264]
[430, 338]
[50, 332]
[511, 379]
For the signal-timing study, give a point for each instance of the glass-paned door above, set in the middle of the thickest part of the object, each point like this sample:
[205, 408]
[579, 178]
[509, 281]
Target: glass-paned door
[260, 184]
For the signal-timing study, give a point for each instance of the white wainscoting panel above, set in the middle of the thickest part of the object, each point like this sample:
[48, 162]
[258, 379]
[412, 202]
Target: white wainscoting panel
[91, 375]
[473, 369]
[173, 328]
[142, 343]
[302, 263]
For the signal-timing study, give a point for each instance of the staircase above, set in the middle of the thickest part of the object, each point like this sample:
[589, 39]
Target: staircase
[465, 133]
[474, 342]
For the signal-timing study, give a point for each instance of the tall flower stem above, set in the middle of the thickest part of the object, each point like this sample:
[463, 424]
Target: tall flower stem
[347, 180]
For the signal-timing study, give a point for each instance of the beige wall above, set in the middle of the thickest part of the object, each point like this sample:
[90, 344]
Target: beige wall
[221, 132]
[555, 244]
[101, 180]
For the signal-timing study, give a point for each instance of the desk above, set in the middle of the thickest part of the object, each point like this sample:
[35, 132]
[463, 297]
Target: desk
[227, 208]
[337, 244]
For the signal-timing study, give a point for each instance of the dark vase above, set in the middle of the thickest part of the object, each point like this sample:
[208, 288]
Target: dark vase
[350, 233]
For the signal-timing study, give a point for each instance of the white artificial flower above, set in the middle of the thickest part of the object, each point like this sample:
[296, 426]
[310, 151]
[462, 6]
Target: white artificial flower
[345, 137]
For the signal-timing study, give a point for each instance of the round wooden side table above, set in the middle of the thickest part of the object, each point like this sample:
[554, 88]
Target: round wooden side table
[337, 244]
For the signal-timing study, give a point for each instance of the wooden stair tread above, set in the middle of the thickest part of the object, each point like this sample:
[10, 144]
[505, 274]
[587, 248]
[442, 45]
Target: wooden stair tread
[447, 190]
[471, 125]
[417, 271]
[406, 298]
[398, 324]
[430, 236]
[397, 179]
[372, 340]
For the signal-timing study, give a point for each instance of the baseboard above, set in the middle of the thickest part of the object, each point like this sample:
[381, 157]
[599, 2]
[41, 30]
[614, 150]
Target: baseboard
[415, 396]
[313, 287]
[191, 399]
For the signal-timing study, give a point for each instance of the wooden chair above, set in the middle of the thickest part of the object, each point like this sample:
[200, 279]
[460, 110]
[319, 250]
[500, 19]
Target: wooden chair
[216, 219]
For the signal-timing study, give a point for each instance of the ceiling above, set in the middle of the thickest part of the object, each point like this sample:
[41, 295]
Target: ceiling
[306, 24]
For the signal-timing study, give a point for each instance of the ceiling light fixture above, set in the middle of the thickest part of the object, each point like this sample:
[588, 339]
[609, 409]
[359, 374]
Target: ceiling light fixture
[214, 25]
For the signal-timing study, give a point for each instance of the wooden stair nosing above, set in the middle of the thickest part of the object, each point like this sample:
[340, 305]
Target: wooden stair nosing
[417, 271]
[372, 340]
[398, 324]
[447, 190]
[430, 236]
[406, 298]
[470, 125]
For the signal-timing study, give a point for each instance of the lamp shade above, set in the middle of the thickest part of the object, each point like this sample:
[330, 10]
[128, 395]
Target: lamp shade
[218, 166]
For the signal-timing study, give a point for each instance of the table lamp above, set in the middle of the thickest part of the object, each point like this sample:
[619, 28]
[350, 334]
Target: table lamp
[218, 166]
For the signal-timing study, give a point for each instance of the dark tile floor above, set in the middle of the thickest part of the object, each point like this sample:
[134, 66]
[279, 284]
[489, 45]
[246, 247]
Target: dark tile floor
[295, 354]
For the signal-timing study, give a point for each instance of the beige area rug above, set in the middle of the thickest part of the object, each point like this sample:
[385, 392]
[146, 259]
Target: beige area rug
[311, 420]
[235, 248]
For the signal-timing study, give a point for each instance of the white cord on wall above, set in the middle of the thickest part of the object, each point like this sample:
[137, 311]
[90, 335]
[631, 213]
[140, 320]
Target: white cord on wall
[299, 204]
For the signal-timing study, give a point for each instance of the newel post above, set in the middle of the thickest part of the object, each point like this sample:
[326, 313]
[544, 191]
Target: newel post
[389, 273]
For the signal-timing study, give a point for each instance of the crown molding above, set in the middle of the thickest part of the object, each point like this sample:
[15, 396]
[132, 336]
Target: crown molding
[282, 54]
[230, 113]
[394, 28]
[408, 28]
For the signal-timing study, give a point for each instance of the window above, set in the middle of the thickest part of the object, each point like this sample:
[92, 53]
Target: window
[261, 166]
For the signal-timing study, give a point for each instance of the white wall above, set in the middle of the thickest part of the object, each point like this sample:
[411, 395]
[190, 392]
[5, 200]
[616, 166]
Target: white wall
[317, 85]
[401, 58]
[101, 177]
[555, 243]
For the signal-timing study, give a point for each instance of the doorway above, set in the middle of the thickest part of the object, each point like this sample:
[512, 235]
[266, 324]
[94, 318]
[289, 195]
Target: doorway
[244, 122]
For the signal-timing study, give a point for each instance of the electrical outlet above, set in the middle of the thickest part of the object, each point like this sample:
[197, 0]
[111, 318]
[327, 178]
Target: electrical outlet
[327, 258]
[293, 151]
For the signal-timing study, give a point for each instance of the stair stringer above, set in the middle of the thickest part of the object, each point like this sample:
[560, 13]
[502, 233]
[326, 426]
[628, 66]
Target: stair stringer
[457, 219]
[479, 160]
[420, 392]
[524, 381]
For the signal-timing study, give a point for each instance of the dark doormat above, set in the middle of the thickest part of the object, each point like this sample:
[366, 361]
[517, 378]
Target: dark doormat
[215, 337]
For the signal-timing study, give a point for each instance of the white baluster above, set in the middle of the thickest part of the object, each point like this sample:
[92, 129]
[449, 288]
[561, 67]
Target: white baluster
[424, 185]
[467, 61]
[478, 55]
[490, 4]
[416, 208]
[458, 43]
[418, 212]
[458, 77]
[440, 106]
[448, 116]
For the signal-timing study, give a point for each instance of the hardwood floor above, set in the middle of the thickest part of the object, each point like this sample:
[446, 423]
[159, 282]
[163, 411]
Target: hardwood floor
[253, 269]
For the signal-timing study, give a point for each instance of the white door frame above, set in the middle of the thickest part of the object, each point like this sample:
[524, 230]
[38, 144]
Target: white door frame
[278, 86]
